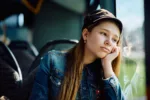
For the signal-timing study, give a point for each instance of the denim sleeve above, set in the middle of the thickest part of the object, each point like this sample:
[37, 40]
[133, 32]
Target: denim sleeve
[40, 89]
[112, 89]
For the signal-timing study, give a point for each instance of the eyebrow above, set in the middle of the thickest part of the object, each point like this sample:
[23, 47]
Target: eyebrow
[109, 31]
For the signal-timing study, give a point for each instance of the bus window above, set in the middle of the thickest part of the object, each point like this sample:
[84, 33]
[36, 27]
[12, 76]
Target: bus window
[132, 78]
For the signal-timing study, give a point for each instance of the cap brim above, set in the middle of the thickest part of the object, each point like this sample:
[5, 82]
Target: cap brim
[117, 21]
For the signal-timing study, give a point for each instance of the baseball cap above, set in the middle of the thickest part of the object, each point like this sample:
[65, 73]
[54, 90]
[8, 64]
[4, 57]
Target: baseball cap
[99, 15]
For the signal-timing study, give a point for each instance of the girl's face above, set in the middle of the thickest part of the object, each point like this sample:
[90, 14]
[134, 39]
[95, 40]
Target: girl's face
[102, 39]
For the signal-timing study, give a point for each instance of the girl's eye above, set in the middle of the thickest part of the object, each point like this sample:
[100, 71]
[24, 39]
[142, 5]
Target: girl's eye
[103, 33]
[115, 40]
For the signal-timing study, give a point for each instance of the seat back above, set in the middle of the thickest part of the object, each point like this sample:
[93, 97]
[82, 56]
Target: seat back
[25, 54]
[23, 45]
[11, 76]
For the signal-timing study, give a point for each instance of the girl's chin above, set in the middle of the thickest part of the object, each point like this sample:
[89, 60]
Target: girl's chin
[102, 56]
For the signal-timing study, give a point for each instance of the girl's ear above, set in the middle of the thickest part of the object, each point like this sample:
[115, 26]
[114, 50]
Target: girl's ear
[85, 33]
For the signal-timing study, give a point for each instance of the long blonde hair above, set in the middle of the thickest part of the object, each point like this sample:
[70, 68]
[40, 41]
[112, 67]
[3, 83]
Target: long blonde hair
[73, 73]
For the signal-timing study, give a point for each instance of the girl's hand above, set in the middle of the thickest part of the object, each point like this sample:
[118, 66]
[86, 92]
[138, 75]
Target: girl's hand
[110, 57]
[107, 62]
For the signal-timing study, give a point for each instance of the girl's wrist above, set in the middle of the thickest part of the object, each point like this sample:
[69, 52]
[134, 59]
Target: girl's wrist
[106, 64]
[108, 71]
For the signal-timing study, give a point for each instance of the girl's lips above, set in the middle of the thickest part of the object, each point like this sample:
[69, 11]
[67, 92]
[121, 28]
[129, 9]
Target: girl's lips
[105, 49]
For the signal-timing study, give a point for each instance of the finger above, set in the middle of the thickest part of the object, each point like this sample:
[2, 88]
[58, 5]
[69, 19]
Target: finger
[113, 49]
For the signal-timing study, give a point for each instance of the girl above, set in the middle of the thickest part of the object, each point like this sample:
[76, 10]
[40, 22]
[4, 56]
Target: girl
[88, 71]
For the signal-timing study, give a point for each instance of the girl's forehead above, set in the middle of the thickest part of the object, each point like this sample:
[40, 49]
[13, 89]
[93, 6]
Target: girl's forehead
[108, 27]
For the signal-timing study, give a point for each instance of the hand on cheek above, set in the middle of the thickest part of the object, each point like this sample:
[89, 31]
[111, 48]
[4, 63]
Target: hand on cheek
[111, 56]
[107, 62]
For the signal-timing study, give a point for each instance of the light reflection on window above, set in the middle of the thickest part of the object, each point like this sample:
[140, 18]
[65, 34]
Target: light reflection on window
[132, 77]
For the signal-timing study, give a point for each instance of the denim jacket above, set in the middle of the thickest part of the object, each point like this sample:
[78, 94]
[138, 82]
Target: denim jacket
[50, 75]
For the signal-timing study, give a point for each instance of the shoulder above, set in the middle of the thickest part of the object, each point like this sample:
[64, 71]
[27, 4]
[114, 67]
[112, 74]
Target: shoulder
[54, 55]
[57, 60]
[53, 62]
[57, 56]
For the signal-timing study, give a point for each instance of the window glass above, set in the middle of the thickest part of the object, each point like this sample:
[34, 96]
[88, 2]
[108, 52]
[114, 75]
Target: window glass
[132, 76]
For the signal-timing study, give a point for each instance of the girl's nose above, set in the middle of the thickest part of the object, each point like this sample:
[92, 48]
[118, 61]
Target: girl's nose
[108, 42]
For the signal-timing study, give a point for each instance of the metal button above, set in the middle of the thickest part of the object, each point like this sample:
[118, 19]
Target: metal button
[59, 83]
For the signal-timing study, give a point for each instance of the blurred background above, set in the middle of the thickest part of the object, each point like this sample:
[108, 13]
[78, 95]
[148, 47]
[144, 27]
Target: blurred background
[29, 27]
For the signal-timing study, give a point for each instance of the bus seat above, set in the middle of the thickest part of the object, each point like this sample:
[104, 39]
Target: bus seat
[23, 45]
[24, 60]
[25, 54]
[10, 73]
